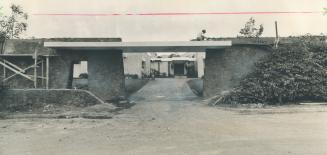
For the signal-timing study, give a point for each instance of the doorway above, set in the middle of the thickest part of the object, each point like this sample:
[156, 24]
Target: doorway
[179, 69]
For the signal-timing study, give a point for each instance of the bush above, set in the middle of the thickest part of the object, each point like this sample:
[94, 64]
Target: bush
[83, 76]
[293, 73]
[131, 76]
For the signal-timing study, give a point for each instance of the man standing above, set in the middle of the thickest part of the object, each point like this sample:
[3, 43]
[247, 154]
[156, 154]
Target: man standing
[201, 35]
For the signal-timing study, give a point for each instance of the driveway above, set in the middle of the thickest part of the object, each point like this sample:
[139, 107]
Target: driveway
[165, 89]
[168, 119]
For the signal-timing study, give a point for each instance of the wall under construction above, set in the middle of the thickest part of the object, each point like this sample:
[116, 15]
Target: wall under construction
[225, 68]
[21, 53]
[106, 71]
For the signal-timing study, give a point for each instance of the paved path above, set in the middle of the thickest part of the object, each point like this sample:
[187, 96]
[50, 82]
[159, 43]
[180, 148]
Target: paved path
[165, 90]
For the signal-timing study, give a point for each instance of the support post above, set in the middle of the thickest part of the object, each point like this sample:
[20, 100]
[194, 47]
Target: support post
[276, 28]
[42, 72]
[47, 72]
[168, 68]
[4, 70]
[277, 36]
[150, 68]
[35, 69]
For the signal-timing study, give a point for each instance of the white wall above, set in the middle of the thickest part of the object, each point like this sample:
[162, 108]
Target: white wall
[80, 68]
[200, 57]
[133, 63]
[164, 67]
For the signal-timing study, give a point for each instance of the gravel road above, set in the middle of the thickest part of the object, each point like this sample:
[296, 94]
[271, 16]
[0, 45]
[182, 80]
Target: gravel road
[169, 119]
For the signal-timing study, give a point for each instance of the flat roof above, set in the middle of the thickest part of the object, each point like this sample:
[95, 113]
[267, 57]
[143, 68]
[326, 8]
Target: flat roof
[174, 59]
[25, 55]
[147, 46]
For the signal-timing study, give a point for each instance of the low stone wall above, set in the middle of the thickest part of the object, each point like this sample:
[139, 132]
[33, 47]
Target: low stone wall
[133, 85]
[22, 99]
[196, 85]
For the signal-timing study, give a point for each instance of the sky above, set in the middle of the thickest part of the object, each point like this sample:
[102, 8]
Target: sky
[168, 20]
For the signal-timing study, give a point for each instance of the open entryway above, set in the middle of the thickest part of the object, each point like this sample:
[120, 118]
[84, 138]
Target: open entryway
[165, 89]
[108, 61]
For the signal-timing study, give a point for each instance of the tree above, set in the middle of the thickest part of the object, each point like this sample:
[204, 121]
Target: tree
[250, 29]
[14, 24]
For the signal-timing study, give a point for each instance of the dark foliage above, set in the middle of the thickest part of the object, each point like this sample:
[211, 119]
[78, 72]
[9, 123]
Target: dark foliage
[292, 73]
[14, 24]
[84, 76]
[131, 76]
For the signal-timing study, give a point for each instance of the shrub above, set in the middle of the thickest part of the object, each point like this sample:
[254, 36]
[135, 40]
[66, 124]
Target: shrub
[293, 73]
[83, 76]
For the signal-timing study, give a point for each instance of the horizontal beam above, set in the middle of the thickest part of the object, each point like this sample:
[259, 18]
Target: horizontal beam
[25, 55]
[168, 46]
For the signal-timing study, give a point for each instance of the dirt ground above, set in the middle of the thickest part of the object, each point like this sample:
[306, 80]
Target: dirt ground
[173, 122]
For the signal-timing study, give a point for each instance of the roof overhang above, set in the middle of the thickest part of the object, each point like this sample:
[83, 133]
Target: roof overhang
[174, 59]
[167, 46]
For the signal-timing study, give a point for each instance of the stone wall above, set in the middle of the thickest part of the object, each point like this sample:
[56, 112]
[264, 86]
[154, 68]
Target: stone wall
[105, 71]
[106, 74]
[224, 68]
[20, 99]
[25, 49]
[26, 46]
[61, 68]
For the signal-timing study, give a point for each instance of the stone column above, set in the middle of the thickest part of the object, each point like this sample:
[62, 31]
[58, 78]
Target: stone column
[60, 71]
[106, 74]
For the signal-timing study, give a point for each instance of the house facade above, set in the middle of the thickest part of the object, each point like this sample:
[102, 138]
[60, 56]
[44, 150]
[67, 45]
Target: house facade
[189, 65]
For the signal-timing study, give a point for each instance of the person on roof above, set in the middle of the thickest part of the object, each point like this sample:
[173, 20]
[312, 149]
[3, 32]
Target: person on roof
[201, 36]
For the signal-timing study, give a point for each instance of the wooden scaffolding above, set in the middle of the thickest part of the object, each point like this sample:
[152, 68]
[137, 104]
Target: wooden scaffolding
[39, 61]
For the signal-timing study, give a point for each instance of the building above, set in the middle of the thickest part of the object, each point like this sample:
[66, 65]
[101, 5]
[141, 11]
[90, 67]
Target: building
[178, 64]
[137, 65]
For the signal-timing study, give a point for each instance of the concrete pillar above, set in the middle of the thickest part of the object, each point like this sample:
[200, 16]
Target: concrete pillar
[225, 68]
[106, 74]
